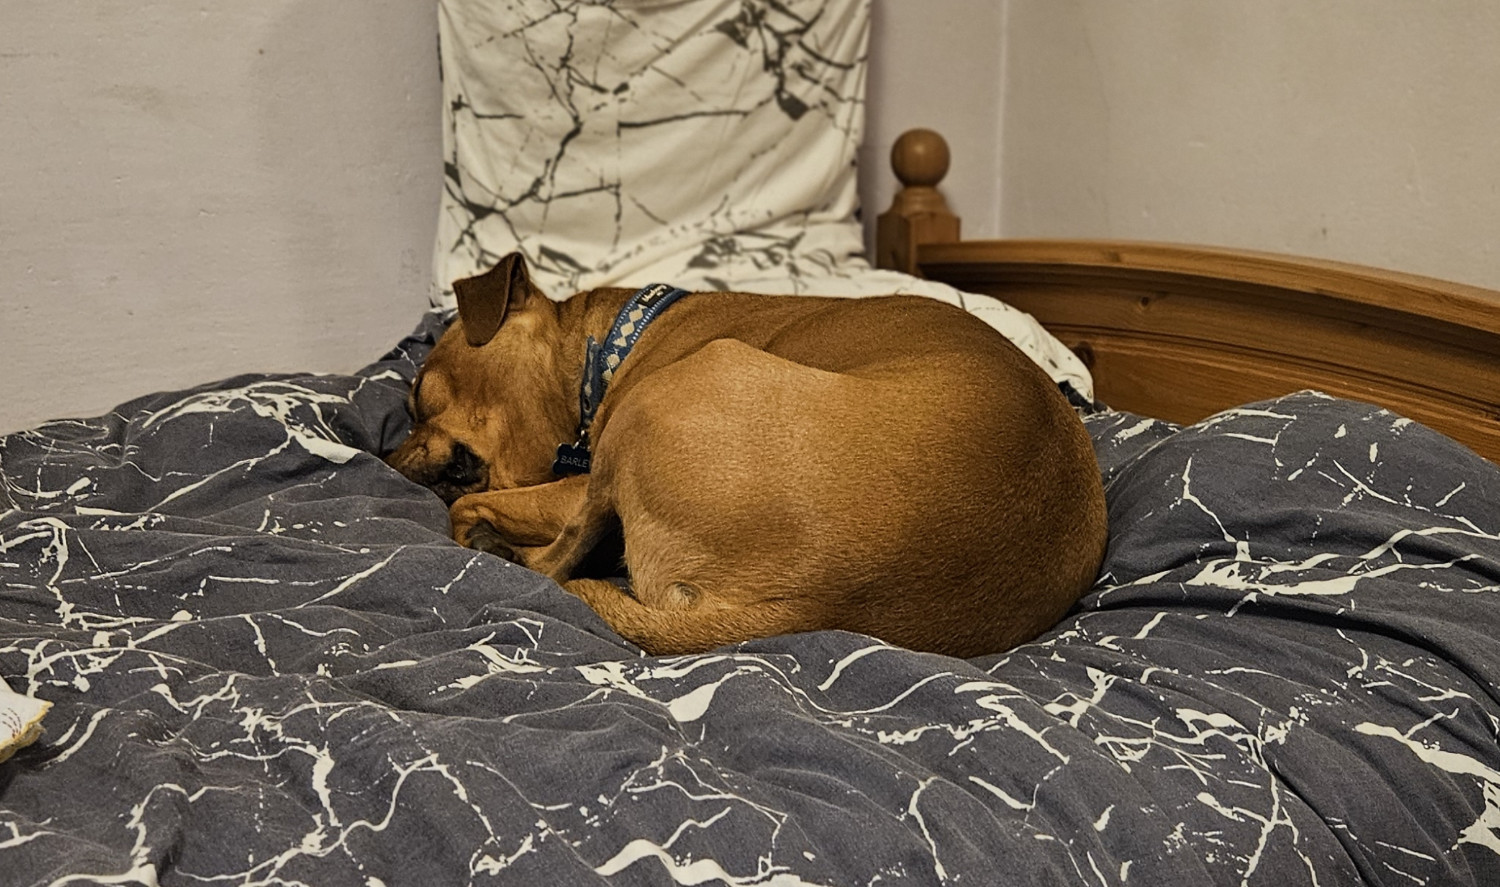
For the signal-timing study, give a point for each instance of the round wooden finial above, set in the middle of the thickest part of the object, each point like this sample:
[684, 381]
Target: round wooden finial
[918, 215]
[920, 158]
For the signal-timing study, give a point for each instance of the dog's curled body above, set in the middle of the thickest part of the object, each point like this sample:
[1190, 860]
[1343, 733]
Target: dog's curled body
[891, 465]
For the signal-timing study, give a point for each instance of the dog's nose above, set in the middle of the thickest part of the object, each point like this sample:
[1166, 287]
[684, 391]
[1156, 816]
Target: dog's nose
[464, 468]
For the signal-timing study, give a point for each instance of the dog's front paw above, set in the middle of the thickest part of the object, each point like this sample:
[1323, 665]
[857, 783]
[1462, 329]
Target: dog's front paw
[472, 527]
[483, 536]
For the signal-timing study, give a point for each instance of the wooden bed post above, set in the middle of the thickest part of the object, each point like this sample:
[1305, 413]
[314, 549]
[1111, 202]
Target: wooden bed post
[919, 214]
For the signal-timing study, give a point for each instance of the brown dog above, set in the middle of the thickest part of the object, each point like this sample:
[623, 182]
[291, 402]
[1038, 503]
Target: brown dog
[892, 465]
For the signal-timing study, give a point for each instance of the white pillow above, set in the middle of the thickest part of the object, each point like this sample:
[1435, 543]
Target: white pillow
[709, 144]
[640, 140]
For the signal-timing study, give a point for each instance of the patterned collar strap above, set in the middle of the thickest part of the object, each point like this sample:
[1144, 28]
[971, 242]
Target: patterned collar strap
[601, 362]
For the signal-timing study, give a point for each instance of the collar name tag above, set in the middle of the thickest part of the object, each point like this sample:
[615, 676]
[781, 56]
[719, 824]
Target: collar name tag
[571, 459]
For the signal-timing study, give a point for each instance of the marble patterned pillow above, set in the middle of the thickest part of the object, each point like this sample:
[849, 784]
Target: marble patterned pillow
[627, 141]
[709, 144]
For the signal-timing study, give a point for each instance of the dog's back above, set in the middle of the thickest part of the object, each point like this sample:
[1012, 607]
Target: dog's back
[890, 466]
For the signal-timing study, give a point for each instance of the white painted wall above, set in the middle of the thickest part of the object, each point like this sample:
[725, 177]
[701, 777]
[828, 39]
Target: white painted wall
[193, 190]
[1360, 130]
[937, 64]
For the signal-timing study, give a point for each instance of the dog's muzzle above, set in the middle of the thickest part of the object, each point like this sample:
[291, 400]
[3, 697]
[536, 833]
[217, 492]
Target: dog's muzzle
[464, 469]
[463, 472]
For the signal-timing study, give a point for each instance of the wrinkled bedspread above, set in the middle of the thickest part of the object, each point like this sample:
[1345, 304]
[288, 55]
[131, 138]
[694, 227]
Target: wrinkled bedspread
[270, 665]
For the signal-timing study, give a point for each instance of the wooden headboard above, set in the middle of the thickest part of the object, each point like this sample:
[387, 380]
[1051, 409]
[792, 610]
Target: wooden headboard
[1180, 332]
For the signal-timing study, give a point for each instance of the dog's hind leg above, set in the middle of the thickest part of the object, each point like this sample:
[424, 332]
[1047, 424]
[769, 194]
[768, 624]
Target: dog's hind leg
[593, 518]
[689, 625]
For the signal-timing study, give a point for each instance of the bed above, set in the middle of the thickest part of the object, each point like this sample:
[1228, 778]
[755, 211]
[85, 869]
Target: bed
[263, 660]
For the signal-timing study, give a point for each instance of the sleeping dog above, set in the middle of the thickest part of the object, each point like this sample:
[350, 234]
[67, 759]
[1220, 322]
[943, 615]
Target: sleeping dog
[892, 466]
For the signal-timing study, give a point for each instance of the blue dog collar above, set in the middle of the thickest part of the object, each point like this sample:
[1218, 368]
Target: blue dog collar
[600, 363]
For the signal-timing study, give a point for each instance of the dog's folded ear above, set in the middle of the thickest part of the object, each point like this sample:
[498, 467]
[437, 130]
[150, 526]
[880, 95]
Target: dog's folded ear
[485, 300]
